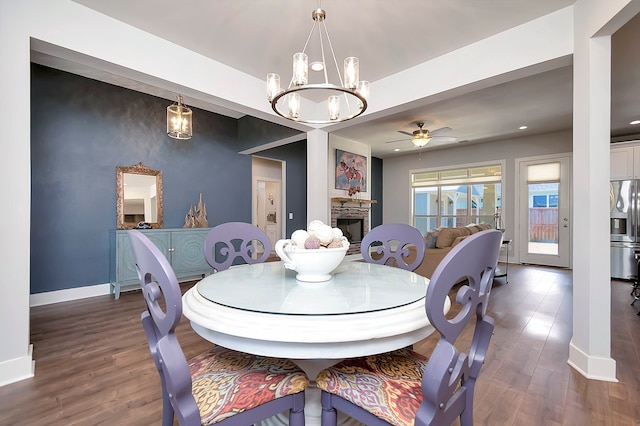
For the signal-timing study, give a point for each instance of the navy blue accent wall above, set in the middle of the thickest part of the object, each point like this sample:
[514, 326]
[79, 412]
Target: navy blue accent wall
[81, 130]
[376, 191]
[253, 132]
[295, 154]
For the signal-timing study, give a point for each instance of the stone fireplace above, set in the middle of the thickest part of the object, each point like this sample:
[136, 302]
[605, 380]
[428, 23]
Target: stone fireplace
[352, 216]
[352, 228]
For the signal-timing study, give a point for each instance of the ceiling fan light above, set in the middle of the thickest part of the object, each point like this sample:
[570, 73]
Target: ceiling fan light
[421, 141]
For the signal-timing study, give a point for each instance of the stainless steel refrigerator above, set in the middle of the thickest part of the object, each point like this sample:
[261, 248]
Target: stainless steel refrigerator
[625, 227]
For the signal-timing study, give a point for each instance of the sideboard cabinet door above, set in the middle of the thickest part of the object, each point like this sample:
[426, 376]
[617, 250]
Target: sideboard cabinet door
[187, 257]
[183, 248]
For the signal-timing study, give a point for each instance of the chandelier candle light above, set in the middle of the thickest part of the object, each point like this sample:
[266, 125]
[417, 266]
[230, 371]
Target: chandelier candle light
[179, 120]
[354, 91]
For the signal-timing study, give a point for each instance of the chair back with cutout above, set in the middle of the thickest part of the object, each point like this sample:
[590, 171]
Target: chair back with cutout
[233, 241]
[220, 386]
[163, 297]
[392, 241]
[449, 379]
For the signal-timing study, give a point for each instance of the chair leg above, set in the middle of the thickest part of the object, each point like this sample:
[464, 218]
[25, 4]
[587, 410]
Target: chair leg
[296, 414]
[329, 416]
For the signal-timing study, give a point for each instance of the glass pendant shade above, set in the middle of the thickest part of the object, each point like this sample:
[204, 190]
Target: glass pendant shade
[363, 89]
[273, 85]
[351, 72]
[294, 105]
[179, 120]
[334, 107]
[300, 69]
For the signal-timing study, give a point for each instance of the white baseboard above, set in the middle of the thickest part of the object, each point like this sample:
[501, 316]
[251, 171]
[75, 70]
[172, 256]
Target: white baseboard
[592, 367]
[67, 295]
[17, 369]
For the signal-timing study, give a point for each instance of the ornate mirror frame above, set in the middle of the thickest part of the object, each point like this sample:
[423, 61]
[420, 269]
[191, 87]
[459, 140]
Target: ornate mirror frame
[139, 169]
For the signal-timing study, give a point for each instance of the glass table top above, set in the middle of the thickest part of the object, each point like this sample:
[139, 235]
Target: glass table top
[356, 287]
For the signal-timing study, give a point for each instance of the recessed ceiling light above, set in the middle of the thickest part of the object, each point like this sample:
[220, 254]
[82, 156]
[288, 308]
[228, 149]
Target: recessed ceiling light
[317, 66]
[522, 127]
[634, 122]
[396, 150]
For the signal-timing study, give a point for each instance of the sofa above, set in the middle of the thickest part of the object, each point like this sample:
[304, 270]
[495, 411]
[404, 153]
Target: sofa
[440, 241]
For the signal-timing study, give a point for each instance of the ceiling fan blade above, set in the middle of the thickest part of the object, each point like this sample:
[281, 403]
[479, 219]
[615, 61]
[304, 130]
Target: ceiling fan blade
[444, 138]
[398, 140]
[405, 133]
[440, 130]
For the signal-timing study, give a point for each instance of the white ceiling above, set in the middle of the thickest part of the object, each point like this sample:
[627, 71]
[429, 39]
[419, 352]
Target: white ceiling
[259, 36]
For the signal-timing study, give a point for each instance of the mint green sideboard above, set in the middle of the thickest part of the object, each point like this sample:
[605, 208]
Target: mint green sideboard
[183, 248]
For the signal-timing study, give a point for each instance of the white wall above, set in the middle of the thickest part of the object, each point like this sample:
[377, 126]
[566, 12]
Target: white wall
[15, 192]
[397, 171]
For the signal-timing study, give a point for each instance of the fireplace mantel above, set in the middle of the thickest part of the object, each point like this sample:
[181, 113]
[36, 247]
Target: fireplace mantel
[343, 201]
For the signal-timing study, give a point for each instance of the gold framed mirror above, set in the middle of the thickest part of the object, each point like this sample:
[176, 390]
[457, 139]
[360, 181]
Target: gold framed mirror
[138, 196]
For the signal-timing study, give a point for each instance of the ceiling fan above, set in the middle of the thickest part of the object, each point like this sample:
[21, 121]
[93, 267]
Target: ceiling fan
[421, 137]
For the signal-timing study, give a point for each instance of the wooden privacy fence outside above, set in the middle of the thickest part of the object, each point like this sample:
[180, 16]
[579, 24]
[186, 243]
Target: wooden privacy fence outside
[543, 225]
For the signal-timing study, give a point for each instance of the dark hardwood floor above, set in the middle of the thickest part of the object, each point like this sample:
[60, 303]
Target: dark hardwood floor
[93, 364]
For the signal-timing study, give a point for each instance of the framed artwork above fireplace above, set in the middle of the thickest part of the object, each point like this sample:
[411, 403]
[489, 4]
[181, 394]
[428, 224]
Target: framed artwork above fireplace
[351, 171]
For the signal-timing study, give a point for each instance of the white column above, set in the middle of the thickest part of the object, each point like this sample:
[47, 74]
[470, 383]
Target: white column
[15, 189]
[590, 346]
[318, 205]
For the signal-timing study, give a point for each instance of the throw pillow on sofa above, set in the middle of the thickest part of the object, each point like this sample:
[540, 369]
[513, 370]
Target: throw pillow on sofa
[473, 228]
[431, 237]
[448, 235]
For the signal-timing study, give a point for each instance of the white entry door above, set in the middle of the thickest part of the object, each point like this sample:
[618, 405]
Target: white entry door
[267, 209]
[544, 210]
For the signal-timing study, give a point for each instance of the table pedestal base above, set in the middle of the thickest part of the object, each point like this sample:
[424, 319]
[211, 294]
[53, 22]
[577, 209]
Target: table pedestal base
[312, 395]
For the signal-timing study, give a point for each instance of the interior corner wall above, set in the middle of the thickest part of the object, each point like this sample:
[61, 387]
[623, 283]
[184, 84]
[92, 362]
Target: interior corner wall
[254, 132]
[81, 130]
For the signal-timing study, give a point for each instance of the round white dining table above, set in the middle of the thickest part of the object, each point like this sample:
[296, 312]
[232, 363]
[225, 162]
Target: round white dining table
[262, 309]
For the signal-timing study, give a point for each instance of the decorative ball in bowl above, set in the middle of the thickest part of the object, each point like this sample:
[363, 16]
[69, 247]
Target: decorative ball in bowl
[312, 265]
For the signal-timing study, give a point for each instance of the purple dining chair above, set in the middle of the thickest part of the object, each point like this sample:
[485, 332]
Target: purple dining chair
[220, 386]
[235, 241]
[378, 245]
[403, 387]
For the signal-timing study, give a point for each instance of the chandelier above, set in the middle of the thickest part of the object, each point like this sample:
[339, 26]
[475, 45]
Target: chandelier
[179, 120]
[353, 91]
